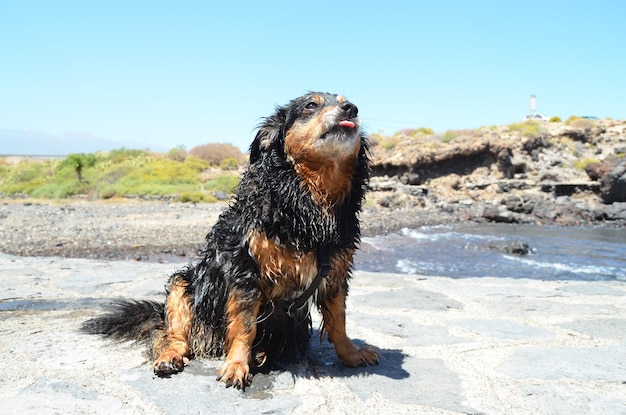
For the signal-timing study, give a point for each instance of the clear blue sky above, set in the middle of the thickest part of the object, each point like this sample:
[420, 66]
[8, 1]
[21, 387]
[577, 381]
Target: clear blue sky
[189, 73]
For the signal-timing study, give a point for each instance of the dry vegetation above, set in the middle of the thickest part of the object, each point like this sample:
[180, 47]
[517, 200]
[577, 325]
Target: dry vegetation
[198, 175]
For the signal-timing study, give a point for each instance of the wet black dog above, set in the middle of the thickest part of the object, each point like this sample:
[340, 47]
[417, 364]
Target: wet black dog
[290, 232]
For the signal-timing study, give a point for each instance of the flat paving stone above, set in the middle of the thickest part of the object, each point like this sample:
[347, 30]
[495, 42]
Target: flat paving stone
[448, 346]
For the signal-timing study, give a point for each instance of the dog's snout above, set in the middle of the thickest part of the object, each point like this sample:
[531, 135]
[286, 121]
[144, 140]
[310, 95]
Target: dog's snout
[350, 109]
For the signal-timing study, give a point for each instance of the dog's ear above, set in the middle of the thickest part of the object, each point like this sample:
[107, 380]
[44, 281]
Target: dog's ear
[269, 133]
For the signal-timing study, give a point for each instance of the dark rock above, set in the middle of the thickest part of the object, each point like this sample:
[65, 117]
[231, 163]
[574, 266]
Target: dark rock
[613, 184]
[598, 130]
[615, 212]
[456, 184]
[520, 204]
[416, 190]
[519, 165]
[582, 135]
[505, 163]
[547, 176]
[596, 171]
[593, 171]
[534, 145]
[568, 189]
[382, 185]
[534, 154]
[494, 214]
[221, 195]
[513, 247]
[505, 186]
[394, 200]
[551, 159]
[620, 150]
[410, 178]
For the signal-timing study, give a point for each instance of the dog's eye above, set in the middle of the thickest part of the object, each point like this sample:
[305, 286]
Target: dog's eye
[311, 105]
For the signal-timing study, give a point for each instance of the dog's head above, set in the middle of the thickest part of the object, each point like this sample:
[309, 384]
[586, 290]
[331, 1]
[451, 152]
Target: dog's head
[319, 137]
[314, 127]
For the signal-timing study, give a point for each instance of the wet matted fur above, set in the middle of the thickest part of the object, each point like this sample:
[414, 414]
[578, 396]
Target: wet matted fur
[302, 191]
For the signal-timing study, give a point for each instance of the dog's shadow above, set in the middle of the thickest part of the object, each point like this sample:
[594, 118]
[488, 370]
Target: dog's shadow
[321, 361]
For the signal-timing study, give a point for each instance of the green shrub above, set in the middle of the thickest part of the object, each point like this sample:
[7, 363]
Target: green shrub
[21, 187]
[424, 131]
[529, 129]
[24, 178]
[448, 136]
[416, 132]
[554, 118]
[79, 160]
[582, 164]
[121, 173]
[123, 154]
[107, 192]
[117, 173]
[196, 164]
[226, 183]
[25, 172]
[578, 122]
[61, 190]
[178, 153]
[162, 177]
[196, 197]
[229, 163]
[390, 142]
[113, 174]
[5, 169]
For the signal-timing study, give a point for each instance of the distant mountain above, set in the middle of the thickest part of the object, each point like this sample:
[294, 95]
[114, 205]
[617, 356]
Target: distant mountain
[29, 142]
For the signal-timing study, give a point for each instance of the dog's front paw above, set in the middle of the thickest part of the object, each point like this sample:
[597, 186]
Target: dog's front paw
[235, 373]
[359, 357]
[169, 362]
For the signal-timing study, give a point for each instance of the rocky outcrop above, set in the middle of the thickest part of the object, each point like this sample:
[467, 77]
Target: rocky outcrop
[424, 165]
[545, 173]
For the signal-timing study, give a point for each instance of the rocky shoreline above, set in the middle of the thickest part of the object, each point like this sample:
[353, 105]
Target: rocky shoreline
[541, 174]
[549, 173]
[156, 231]
[160, 231]
[501, 201]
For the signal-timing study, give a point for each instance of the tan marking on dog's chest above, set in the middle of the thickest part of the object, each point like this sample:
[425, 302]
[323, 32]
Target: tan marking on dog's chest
[328, 181]
[284, 270]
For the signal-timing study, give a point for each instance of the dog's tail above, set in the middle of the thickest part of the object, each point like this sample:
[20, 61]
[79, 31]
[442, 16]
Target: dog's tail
[128, 320]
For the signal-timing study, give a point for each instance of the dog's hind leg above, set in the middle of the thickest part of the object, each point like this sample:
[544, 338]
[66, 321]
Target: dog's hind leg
[242, 311]
[172, 345]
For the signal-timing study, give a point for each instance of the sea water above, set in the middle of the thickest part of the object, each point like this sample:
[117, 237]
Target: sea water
[479, 250]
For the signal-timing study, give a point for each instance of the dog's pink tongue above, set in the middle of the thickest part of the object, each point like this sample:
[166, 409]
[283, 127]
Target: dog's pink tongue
[346, 123]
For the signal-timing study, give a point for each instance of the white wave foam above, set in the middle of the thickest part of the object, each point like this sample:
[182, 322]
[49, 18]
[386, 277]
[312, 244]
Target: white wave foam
[406, 266]
[571, 268]
[424, 234]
